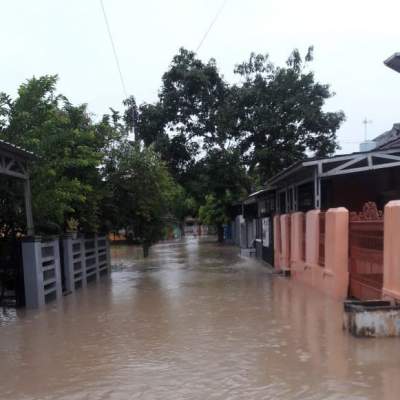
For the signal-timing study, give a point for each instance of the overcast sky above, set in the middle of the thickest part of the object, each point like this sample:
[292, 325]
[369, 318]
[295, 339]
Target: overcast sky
[69, 38]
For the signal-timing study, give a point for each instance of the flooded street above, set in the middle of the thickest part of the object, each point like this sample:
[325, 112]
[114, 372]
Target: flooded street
[193, 321]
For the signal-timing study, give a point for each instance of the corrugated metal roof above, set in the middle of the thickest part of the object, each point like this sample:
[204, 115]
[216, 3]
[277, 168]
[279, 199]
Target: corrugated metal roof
[393, 62]
[258, 192]
[14, 149]
[310, 160]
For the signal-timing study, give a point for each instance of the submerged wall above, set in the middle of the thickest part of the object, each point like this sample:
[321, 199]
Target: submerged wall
[332, 278]
[54, 265]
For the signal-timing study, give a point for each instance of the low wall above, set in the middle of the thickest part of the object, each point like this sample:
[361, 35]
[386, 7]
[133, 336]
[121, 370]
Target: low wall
[391, 252]
[84, 259]
[330, 273]
[332, 278]
[42, 271]
[47, 261]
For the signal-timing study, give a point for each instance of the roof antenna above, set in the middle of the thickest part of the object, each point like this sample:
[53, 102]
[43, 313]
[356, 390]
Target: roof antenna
[366, 122]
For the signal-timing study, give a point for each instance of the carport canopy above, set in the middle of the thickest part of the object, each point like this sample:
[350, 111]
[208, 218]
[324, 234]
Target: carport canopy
[14, 163]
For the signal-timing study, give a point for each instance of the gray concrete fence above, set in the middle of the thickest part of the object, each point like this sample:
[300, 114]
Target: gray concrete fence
[45, 263]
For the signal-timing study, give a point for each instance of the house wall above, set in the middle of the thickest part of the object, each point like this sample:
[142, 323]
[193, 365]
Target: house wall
[265, 239]
[354, 190]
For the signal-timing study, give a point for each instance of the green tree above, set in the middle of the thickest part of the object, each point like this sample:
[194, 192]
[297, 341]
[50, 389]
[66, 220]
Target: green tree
[214, 212]
[65, 179]
[194, 97]
[224, 180]
[280, 113]
[200, 116]
[153, 129]
[191, 99]
[142, 192]
[182, 205]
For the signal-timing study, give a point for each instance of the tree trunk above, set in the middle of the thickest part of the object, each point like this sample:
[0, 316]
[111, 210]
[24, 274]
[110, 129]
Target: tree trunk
[220, 233]
[146, 249]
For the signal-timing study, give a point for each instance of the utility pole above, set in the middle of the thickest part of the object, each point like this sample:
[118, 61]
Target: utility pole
[366, 122]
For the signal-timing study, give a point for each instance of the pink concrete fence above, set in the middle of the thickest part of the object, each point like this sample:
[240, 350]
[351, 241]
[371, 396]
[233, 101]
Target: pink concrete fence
[391, 251]
[298, 246]
[327, 272]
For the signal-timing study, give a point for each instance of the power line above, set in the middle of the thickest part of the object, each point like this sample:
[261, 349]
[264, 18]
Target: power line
[211, 25]
[114, 50]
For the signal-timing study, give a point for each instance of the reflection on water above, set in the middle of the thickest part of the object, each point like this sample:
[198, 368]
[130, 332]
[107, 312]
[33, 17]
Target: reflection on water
[193, 321]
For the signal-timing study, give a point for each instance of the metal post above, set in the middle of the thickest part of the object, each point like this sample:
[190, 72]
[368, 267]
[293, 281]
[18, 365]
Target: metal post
[277, 205]
[286, 200]
[317, 189]
[28, 208]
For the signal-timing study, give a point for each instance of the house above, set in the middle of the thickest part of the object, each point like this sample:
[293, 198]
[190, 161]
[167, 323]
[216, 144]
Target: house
[330, 221]
[346, 180]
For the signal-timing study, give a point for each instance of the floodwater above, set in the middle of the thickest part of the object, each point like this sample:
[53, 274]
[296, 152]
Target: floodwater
[193, 321]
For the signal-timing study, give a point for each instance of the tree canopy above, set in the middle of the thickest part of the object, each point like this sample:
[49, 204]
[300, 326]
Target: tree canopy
[222, 138]
[280, 113]
[65, 179]
[203, 145]
[142, 192]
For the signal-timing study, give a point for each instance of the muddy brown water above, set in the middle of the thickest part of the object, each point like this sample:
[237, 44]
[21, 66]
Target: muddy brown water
[193, 321]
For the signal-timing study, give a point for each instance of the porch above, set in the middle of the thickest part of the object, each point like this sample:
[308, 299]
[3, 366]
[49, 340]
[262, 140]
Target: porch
[342, 181]
[15, 220]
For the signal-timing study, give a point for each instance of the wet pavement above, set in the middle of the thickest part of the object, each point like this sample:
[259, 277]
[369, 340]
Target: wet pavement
[193, 321]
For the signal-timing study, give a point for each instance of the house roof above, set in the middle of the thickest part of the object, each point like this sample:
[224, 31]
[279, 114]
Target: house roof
[258, 192]
[387, 154]
[16, 150]
[388, 138]
[393, 62]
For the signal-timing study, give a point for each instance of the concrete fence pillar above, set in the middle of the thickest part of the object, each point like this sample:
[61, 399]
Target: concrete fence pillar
[103, 254]
[336, 268]
[96, 250]
[277, 241]
[33, 275]
[90, 257]
[55, 244]
[296, 240]
[108, 250]
[42, 271]
[285, 242]
[312, 238]
[68, 263]
[391, 251]
[73, 262]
